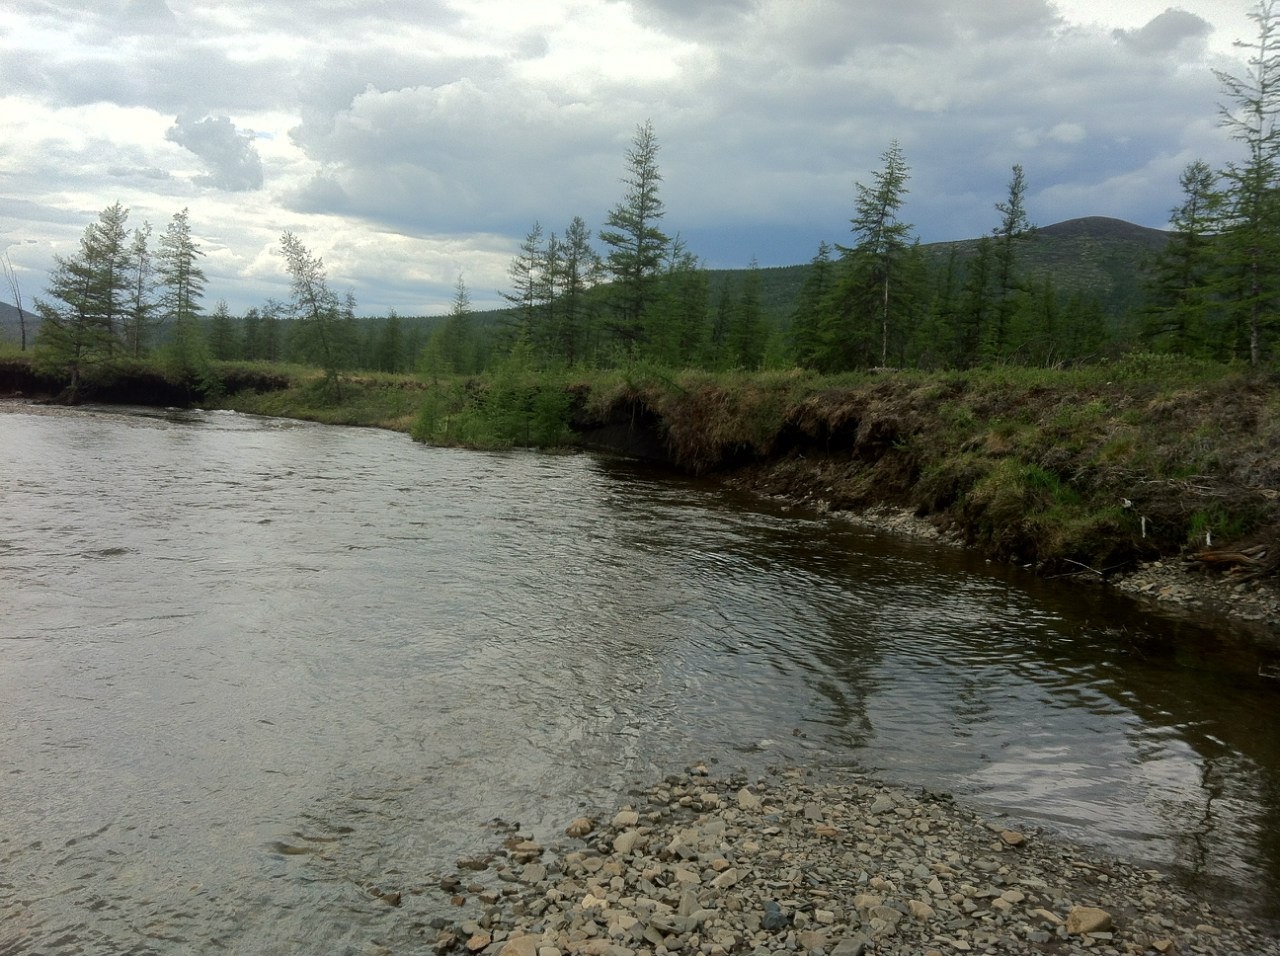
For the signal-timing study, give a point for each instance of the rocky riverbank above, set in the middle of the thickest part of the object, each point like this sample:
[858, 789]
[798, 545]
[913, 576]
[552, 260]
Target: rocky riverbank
[828, 865]
[1170, 584]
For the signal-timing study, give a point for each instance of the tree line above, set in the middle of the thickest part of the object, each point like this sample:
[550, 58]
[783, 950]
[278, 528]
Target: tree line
[637, 293]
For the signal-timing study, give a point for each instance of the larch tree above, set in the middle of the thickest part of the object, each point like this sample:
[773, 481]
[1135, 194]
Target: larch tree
[316, 310]
[580, 271]
[1251, 208]
[806, 316]
[882, 240]
[1179, 294]
[181, 279]
[636, 243]
[141, 299]
[1014, 228]
[79, 320]
[524, 272]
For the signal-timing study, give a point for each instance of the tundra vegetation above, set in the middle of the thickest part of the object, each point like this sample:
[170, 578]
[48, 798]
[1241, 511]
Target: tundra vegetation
[1077, 396]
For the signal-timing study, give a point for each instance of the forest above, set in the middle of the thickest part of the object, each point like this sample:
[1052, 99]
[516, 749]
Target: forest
[629, 293]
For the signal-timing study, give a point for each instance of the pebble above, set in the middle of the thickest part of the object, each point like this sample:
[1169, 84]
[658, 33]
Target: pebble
[799, 864]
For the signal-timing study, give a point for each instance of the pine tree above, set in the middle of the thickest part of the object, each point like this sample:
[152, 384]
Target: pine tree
[79, 326]
[580, 271]
[451, 348]
[1179, 294]
[871, 265]
[316, 309]
[636, 244]
[806, 316]
[224, 341]
[747, 333]
[1014, 229]
[181, 279]
[1251, 240]
[390, 349]
[141, 299]
[525, 270]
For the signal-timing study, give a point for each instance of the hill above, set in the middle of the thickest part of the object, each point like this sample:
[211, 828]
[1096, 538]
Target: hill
[10, 329]
[1094, 255]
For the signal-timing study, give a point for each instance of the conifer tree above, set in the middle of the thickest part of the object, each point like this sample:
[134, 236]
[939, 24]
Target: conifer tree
[580, 271]
[1251, 237]
[87, 291]
[1179, 294]
[141, 298]
[223, 338]
[871, 265]
[181, 279]
[525, 271]
[636, 243]
[316, 310]
[806, 316]
[1014, 228]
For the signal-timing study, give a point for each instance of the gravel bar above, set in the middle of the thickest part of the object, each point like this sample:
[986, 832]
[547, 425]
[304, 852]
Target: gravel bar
[827, 864]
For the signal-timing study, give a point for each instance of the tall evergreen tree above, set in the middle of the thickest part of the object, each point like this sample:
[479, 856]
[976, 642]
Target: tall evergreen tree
[390, 349]
[141, 298]
[525, 272]
[451, 348]
[806, 316]
[1251, 241]
[747, 333]
[1179, 293]
[636, 243]
[872, 263]
[580, 270]
[1013, 229]
[79, 326]
[316, 310]
[224, 339]
[181, 279]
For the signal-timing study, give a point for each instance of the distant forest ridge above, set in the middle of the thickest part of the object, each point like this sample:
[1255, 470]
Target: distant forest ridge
[1103, 257]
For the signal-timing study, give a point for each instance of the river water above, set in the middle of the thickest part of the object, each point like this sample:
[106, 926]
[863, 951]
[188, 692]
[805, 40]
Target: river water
[251, 667]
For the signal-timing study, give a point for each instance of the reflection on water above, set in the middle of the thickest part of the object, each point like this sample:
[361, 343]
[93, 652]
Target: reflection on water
[250, 668]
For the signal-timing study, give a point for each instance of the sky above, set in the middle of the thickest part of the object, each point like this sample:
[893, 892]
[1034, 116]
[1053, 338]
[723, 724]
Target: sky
[410, 142]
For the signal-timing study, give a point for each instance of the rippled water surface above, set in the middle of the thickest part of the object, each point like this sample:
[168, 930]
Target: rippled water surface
[249, 668]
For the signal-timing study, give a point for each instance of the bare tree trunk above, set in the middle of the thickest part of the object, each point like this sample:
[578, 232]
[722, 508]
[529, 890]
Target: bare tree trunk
[12, 278]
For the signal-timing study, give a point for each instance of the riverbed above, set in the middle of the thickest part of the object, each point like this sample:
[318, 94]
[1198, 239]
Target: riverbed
[251, 667]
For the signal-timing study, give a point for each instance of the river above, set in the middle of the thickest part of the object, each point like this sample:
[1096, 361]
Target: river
[251, 667]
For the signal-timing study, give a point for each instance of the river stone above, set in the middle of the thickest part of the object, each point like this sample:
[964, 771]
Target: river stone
[580, 827]
[882, 804]
[1012, 838]
[626, 841]
[749, 801]
[1087, 919]
[774, 919]
[625, 818]
[920, 911]
[520, 946]
[850, 946]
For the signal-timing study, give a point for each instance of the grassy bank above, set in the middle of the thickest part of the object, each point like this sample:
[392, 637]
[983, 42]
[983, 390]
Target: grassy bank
[1094, 467]
[1087, 468]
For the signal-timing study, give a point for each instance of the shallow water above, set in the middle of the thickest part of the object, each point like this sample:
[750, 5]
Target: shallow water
[250, 667]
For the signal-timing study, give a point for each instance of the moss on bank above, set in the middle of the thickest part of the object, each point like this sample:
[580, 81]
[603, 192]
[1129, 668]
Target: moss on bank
[1096, 467]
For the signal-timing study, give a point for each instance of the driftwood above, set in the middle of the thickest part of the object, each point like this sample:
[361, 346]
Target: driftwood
[1245, 563]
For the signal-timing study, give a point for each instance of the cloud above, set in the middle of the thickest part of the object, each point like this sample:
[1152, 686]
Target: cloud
[1167, 33]
[233, 162]
[451, 125]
